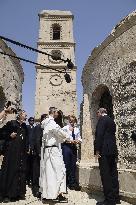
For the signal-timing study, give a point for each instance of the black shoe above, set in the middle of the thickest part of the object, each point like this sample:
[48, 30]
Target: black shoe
[45, 201]
[62, 199]
[105, 203]
[6, 200]
[118, 201]
[1, 199]
[37, 194]
[21, 197]
[75, 187]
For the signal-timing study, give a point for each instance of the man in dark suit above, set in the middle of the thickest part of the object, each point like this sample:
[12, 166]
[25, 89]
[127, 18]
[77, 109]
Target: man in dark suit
[105, 149]
[37, 143]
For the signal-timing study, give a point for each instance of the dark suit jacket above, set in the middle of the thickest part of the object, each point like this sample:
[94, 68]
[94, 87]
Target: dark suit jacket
[30, 135]
[37, 139]
[105, 140]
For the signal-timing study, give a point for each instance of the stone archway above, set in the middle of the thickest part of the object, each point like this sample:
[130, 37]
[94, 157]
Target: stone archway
[106, 102]
[101, 97]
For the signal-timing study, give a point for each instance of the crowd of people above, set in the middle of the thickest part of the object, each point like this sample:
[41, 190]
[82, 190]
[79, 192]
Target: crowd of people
[44, 156]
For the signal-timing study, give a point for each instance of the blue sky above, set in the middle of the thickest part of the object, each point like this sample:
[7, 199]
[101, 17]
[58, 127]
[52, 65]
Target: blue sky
[94, 20]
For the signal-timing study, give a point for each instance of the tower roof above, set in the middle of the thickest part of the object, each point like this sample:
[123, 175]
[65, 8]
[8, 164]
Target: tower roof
[55, 13]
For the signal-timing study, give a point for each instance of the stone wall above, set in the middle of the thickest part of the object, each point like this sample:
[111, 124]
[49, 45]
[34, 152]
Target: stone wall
[12, 77]
[125, 114]
[111, 70]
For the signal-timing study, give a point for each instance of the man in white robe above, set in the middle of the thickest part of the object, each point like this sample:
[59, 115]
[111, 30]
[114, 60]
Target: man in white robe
[52, 168]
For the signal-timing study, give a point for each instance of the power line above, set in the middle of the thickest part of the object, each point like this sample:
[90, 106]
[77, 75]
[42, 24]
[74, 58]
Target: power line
[70, 65]
[36, 50]
[32, 62]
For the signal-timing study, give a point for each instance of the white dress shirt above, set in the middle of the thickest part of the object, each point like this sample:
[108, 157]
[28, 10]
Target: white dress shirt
[76, 132]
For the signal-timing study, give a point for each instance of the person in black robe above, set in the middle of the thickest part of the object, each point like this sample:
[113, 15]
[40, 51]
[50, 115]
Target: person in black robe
[13, 170]
[30, 129]
[105, 149]
[36, 144]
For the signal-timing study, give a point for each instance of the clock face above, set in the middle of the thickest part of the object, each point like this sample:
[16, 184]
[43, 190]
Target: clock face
[56, 80]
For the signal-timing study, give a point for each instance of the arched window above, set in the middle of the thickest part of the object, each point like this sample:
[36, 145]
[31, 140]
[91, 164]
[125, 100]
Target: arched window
[56, 32]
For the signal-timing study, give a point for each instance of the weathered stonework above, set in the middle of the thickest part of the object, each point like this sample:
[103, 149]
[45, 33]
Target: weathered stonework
[12, 77]
[109, 79]
[51, 87]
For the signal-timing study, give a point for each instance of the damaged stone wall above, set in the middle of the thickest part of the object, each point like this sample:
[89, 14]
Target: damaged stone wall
[124, 92]
[111, 68]
[111, 71]
[11, 77]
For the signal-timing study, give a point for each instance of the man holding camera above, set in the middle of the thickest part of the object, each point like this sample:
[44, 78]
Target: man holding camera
[8, 109]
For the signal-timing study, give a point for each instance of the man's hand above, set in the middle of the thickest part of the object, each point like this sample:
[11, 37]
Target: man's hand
[76, 141]
[71, 128]
[13, 135]
[98, 155]
[8, 110]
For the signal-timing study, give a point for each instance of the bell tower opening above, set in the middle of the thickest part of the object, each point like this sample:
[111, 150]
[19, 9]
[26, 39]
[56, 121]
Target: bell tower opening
[56, 32]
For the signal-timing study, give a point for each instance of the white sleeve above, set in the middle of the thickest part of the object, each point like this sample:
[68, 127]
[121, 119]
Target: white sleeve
[60, 133]
[42, 124]
[65, 128]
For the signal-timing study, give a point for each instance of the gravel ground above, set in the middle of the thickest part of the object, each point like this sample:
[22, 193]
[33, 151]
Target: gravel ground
[74, 198]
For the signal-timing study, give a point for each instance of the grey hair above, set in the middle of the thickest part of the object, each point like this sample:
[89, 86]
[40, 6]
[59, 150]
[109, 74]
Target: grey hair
[102, 111]
[52, 110]
[19, 114]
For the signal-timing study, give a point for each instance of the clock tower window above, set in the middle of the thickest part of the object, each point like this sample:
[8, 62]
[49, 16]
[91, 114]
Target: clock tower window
[56, 31]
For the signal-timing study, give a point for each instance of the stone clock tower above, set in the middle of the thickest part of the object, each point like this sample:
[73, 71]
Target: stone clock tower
[56, 38]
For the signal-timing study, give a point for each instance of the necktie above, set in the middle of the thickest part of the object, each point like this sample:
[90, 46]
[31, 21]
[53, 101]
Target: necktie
[73, 135]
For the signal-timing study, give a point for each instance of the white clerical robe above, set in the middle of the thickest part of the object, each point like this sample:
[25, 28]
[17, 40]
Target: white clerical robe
[52, 168]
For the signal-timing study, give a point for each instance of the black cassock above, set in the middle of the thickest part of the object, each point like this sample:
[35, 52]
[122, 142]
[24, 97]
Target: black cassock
[13, 170]
[37, 143]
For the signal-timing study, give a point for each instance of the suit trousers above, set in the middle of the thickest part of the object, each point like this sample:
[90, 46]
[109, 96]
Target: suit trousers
[70, 158]
[109, 177]
[29, 171]
[36, 173]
